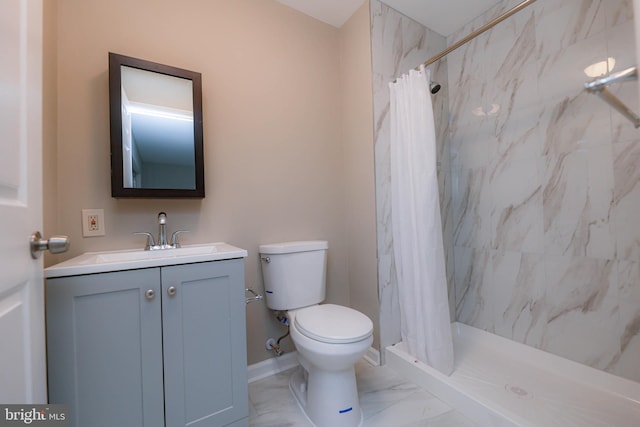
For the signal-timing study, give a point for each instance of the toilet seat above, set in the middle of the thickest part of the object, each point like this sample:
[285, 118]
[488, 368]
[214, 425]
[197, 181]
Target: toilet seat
[333, 324]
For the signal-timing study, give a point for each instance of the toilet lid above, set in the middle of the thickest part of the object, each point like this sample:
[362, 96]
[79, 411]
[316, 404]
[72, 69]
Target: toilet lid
[332, 323]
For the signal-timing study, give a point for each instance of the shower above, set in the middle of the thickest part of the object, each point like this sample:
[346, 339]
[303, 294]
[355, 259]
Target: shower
[538, 200]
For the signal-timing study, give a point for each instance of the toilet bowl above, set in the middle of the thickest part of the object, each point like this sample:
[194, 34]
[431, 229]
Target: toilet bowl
[329, 338]
[325, 386]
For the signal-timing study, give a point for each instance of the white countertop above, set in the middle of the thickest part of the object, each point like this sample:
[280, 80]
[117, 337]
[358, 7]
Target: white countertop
[101, 262]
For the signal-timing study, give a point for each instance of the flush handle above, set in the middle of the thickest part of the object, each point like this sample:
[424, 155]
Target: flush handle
[255, 296]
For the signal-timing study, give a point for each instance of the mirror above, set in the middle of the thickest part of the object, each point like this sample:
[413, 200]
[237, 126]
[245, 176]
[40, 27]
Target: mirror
[156, 130]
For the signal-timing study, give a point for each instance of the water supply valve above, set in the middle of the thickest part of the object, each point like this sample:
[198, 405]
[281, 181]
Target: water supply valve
[271, 344]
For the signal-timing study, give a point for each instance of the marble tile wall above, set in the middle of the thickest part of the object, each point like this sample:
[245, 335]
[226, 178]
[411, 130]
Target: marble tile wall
[540, 181]
[545, 183]
[398, 45]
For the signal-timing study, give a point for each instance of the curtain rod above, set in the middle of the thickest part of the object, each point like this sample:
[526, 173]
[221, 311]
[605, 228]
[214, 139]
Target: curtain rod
[477, 32]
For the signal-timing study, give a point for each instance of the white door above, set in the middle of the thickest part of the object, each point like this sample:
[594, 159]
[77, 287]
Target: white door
[22, 343]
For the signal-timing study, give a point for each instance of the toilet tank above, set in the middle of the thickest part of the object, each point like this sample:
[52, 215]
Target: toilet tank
[294, 273]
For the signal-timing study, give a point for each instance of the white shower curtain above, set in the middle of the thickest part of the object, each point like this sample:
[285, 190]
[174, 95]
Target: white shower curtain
[417, 228]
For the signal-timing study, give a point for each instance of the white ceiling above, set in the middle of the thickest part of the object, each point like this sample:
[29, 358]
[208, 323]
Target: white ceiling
[442, 16]
[333, 12]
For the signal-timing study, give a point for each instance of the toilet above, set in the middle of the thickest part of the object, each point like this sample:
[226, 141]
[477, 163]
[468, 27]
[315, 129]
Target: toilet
[329, 338]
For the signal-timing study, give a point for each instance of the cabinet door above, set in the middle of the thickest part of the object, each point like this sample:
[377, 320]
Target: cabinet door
[104, 345]
[205, 362]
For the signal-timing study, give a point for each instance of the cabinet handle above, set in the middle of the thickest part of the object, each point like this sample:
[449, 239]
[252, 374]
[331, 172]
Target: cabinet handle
[171, 291]
[150, 294]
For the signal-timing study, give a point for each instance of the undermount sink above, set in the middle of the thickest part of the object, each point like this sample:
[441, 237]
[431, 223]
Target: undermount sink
[100, 262]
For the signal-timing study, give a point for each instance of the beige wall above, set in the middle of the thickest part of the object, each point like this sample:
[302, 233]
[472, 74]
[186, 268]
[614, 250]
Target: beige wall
[359, 185]
[274, 159]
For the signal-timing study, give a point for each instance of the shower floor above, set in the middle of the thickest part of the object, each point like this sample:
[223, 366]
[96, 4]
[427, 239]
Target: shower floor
[498, 382]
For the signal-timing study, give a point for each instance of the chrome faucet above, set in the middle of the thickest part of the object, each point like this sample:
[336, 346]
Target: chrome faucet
[162, 233]
[162, 236]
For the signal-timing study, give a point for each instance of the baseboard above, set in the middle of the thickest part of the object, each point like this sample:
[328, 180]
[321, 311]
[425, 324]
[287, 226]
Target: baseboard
[372, 356]
[272, 366]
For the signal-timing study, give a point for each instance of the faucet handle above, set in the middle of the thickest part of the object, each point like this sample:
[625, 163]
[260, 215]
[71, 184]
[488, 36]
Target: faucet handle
[174, 238]
[150, 241]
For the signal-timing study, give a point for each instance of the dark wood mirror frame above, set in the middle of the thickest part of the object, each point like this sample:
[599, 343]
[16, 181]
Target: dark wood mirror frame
[115, 99]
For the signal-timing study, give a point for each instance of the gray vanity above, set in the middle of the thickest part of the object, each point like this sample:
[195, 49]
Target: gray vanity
[144, 338]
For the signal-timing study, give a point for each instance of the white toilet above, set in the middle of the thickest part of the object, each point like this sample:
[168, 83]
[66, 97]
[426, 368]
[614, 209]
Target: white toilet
[329, 338]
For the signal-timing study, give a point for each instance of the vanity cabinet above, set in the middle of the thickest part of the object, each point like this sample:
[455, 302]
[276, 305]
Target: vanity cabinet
[162, 346]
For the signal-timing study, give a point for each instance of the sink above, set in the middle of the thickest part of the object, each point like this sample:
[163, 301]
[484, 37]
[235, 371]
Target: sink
[162, 253]
[100, 262]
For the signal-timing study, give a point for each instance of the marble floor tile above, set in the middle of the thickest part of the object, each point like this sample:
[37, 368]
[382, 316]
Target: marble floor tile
[385, 398]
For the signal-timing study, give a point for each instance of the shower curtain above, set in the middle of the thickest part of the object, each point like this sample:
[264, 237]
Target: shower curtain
[417, 228]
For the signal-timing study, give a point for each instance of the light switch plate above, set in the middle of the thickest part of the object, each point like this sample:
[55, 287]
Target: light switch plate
[92, 222]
